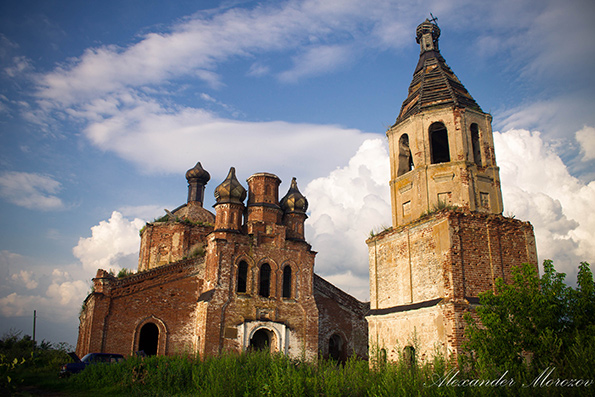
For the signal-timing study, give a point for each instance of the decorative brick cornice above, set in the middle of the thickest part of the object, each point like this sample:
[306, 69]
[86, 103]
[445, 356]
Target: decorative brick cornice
[451, 214]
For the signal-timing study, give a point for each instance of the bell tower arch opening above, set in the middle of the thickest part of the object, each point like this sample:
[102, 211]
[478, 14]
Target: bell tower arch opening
[405, 159]
[439, 149]
[475, 143]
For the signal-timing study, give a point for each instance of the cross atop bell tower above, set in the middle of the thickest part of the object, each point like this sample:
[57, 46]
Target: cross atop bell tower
[441, 145]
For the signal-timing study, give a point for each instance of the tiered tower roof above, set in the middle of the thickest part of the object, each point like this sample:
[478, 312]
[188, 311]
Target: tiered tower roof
[434, 83]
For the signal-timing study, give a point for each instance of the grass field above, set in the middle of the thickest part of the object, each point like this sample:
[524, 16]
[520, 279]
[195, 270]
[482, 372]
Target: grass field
[262, 374]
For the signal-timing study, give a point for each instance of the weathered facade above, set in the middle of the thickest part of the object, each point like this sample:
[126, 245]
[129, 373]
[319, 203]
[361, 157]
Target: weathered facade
[243, 278]
[448, 241]
[240, 279]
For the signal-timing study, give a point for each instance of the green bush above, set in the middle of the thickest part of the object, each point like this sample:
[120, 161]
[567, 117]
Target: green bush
[532, 324]
[20, 357]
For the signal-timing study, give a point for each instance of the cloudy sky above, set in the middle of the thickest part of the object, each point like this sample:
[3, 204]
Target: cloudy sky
[105, 105]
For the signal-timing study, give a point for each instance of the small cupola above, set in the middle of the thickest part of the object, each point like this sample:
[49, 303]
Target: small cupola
[197, 178]
[230, 196]
[230, 190]
[427, 34]
[294, 200]
[294, 206]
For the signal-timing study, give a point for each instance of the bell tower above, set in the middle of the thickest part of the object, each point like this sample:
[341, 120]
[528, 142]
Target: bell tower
[441, 145]
[448, 241]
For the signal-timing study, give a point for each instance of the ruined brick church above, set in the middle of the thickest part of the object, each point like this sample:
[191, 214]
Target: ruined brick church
[243, 278]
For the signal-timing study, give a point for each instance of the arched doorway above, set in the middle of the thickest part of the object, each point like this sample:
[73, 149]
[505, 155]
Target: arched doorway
[261, 340]
[149, 339]
[335, 347]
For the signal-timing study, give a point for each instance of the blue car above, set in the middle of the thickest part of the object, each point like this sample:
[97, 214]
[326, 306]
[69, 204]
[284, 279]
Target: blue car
[92, 358]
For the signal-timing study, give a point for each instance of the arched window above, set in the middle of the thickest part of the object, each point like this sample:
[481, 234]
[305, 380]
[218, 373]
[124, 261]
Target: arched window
[148, 339]
[265, 280]
[382, 356]
[440, 151]
[476, 144]
[287, 282]
[242, 276]
[409, 355]
[405, 159]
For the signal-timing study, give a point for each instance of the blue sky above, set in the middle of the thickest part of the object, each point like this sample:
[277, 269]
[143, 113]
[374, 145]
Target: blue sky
[104, 106]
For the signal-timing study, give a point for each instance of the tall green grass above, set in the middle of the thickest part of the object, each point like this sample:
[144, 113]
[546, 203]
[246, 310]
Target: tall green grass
[251, 374]
[263, 374]
[257, 374]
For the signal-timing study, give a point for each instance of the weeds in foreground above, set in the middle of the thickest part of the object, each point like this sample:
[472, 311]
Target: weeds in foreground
[263, 374]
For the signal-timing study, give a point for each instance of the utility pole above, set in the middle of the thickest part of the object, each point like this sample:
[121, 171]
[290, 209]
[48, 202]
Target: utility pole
[34, 320]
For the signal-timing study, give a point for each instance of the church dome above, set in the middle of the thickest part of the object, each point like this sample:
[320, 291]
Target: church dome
[427, 27]
[294, 201]
[230, 190]
[194, 212]
[198, 173]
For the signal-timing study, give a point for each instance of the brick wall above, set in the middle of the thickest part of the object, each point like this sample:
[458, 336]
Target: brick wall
[118, 308]
[438, 265]
[343, 315]
[167, 242]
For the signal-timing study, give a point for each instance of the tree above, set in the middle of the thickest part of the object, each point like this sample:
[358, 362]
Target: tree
[532, 323]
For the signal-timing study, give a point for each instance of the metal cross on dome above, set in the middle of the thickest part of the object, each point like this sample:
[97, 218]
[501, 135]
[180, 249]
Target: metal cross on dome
[434, 20]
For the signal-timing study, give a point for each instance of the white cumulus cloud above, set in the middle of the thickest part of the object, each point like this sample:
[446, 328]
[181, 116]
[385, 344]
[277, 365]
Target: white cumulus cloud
[68, 293]
[26, 277]
[537, 187]
[586, 138]
[113, 244]
[345, 206]
[58, 299]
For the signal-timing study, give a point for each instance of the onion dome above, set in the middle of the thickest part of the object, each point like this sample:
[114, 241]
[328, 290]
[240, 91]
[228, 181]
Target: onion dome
[198, 173]
[230, 190]
[294, 201]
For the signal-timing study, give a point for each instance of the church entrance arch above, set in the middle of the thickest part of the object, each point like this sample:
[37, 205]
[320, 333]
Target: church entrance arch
[264, 335]
[261, 340]
[150, 336]
[148, 340]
